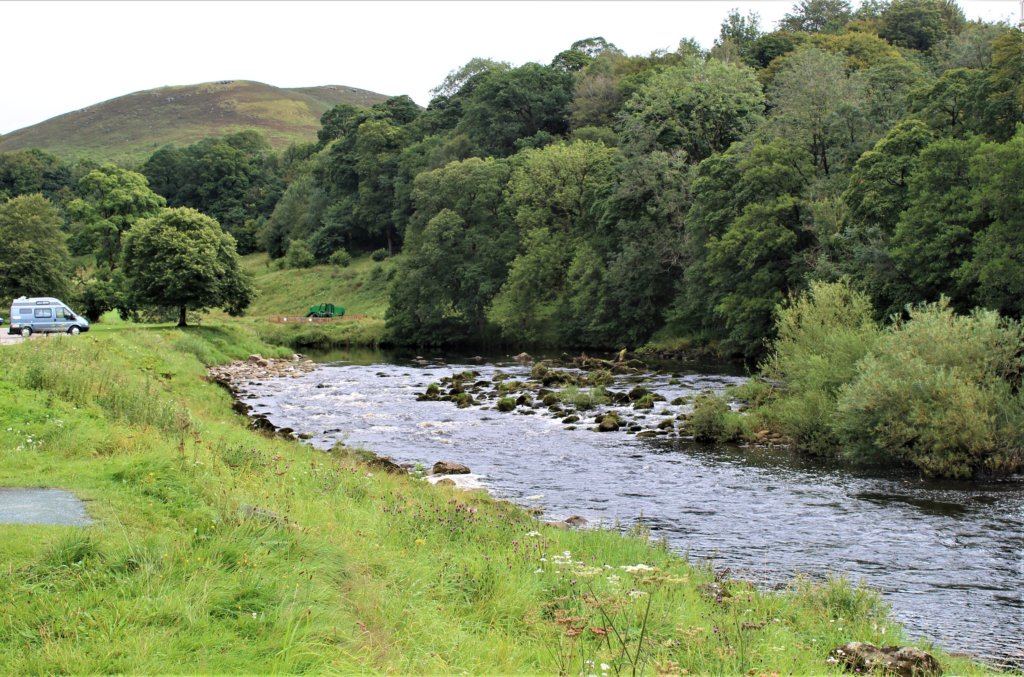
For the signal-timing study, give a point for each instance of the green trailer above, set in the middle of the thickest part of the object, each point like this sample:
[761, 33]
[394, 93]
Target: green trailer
[325, 310]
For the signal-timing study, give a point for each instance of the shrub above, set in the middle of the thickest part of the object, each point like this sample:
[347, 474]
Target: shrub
[299, 255]
[822, 334]
[340, 258]
[713, 421]
[941, 392]
[379, 254]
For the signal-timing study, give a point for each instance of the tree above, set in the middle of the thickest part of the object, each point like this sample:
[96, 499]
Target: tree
[232, 178]
[182, 259]
[817, 16]
[1006, 84]
[699, 107]
[997, 267]
[920, 24]
[737, 35]
[30, 171]
[34, 258]
[815, 103]
[505, 106]
[113, 200]
[459, 242]
[935, 233]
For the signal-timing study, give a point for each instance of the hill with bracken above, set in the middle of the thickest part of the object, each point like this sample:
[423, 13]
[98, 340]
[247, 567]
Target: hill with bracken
[129, 128]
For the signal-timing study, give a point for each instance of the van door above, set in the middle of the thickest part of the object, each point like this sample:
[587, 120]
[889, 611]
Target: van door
[42, 319]
[63, 319]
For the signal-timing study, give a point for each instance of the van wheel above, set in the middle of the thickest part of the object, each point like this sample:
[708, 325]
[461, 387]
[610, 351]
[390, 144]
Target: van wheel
[26, 331]
[74, 331]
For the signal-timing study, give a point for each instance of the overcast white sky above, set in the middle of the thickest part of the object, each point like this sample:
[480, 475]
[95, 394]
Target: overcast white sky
[62, 56]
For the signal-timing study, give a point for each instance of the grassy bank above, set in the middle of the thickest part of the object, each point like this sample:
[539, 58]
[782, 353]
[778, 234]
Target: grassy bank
[215, 549]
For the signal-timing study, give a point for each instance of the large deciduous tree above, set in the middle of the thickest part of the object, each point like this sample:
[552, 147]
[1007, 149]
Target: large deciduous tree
[506, 106]
[459, 243]
[182, 259]
[815, 103]
[114, 199]
[34, 258]
[699, 106]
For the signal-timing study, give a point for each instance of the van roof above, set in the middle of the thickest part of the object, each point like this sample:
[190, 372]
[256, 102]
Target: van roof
[37, 301]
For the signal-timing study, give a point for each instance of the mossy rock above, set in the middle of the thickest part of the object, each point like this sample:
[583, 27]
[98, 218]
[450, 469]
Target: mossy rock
[667, 424]
[680, 400]
[645, 402]
[637, 393]
[506, 404]
[608, 423]
[647, 433]
[571, 419]
[550, 399]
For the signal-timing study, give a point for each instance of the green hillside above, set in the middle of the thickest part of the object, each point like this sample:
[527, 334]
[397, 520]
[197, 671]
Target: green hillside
[129, 128]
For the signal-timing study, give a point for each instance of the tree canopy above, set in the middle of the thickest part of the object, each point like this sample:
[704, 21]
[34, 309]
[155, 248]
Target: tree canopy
[34, 258]
[182, 259]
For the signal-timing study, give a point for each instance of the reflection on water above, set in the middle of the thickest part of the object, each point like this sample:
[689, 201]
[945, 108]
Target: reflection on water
[947, 557]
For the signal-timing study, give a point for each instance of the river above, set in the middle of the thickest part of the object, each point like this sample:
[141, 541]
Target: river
[947, 556]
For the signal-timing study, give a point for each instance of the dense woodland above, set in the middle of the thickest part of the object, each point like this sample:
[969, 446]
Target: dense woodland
[604, 199]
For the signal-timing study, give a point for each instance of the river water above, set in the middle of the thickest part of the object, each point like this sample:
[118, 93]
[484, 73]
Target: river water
[948, 557]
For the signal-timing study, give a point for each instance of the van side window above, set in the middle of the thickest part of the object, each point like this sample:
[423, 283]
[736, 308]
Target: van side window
[25, 311]
[63, 314]
[43, 312]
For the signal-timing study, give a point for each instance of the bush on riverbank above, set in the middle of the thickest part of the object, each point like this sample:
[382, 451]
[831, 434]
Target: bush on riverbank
[218, 550]
[937, 391]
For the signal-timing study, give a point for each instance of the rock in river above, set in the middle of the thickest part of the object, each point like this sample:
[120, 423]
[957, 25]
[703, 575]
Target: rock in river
[449, 468]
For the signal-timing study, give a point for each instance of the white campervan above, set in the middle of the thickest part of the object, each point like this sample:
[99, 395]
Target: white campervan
[44, 315]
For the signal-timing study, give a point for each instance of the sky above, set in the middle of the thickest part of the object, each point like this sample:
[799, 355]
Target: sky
[62, 56]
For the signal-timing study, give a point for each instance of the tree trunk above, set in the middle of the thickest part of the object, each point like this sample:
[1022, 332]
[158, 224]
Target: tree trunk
[181, 316]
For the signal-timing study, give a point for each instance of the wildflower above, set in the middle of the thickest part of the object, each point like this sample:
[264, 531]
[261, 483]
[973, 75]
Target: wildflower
[539, 571]
[420, 541]
[636, 567]
[533, 533]
[605, 667]
[641, 593]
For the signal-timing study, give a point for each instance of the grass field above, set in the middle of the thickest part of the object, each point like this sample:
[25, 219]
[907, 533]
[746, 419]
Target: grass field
[361, 288]
[218, 550]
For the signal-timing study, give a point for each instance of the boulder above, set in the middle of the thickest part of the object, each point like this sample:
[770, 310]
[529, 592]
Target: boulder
[609, 423]
[904, 661]
[261, 424]
[523, 358]
[387, 465]
[449, 468]
[576, 521]
[445, 482]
